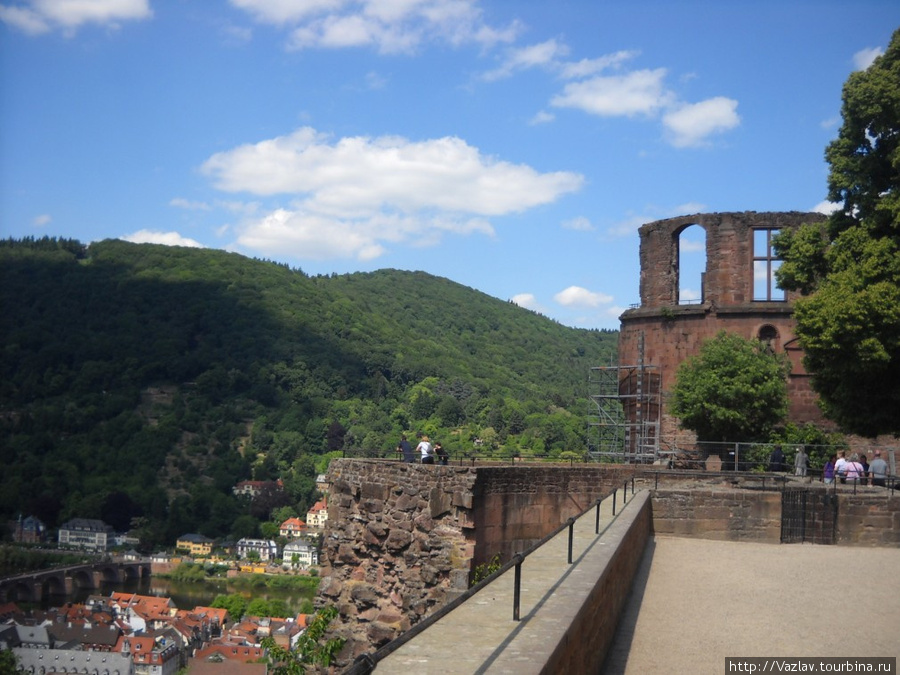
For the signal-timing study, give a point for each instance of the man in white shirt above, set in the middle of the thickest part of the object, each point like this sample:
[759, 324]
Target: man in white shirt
[424, 447]
[840, 467]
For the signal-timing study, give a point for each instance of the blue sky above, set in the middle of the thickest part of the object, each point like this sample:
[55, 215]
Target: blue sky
[513, 147]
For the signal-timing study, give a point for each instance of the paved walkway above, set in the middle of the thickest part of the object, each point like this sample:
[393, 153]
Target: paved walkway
[480, 635]
[696, 602]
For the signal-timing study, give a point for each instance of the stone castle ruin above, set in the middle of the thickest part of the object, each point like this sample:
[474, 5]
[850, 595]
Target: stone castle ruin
[738, 294]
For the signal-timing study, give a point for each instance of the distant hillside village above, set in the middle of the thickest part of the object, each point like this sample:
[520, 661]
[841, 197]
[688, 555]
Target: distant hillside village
[296, 546]
[129, 634]
[132, 634]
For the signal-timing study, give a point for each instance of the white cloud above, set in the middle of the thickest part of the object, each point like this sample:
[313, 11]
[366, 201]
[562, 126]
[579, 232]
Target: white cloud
[528, 301]
[391, 26]
[586, 67]
[360, 174]
[637, 92]
[41, 220]
[686, 245]
[826, 207]
[352, 197]
[235, 36]
[615, 311]
[691, 124]
[580, 223]
[286, 11]
[576, 296]
[631, 224]
[542, 117]
[188, 205]
[524, 58]
[864, 58]
[165, 238]
[375, 81]
[35, 17]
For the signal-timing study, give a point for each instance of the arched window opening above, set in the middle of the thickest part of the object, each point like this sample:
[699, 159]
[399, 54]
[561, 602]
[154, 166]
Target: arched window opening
[765, 264]
[691, 265]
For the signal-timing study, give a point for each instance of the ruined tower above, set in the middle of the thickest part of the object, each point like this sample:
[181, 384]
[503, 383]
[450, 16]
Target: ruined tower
[737, 293]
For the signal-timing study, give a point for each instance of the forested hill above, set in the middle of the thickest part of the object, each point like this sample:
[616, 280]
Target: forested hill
[139, 382]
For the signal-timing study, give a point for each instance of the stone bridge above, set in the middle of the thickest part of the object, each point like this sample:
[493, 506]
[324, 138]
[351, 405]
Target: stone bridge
[42, 584]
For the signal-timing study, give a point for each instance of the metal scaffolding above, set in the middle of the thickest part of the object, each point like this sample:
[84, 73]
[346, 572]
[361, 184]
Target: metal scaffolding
[626, 409]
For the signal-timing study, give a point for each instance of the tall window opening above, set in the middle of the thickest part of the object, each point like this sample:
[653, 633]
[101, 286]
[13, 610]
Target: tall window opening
[765, 264]
[691, 265]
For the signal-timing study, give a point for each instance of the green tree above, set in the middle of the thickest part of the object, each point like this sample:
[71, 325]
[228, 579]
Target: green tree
[235, 603]
[312, 648]
[849, 320]
[8, 665]
[732, 390]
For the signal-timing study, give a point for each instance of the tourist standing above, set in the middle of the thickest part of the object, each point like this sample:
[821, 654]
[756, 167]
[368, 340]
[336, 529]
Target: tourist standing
[855, 471]
[878, 470]
[406, 450]
[441, 454]
[828, 471]
[426, 450]
[801, 462]
[840, 467]
[776, 460]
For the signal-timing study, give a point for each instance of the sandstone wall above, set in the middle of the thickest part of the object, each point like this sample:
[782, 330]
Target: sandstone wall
[403, 539]
[731, 515]
[515, 507]
[396, 545]
[672, 332]
[588, 637]
[869, 518]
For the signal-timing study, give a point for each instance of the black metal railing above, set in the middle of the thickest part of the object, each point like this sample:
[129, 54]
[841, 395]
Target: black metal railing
[366, 663]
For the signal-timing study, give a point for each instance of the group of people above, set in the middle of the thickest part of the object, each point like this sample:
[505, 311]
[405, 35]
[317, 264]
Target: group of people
[856, 469]
[425, 452]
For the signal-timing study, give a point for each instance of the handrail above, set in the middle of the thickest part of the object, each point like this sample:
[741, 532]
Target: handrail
[365, 663]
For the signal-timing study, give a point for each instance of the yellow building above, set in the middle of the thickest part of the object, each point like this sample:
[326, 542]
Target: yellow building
[196, 545]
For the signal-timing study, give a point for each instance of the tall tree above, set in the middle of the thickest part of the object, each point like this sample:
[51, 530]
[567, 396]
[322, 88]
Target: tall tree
[732, 390]
[848, 320]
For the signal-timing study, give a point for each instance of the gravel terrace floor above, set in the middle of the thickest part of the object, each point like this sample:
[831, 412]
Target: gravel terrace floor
[696, 602]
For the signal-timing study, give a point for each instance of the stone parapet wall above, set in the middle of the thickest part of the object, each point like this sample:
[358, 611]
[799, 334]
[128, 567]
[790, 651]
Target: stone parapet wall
[517, 506]
[723, 514]
[395, 546]
[401, 540]
[587, 639]
[869, 518]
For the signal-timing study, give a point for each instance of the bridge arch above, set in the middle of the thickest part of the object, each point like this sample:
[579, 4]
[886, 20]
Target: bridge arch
[21, 591]
[82, 578]
[131, 573]
[108, 574]
[52, 585]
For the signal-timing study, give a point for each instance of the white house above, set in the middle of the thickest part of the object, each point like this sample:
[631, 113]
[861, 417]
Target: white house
[307, 554]
[86, 533]
[266, 548]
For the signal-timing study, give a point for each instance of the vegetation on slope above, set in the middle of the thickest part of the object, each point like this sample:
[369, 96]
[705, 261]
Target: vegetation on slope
[139, 383]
